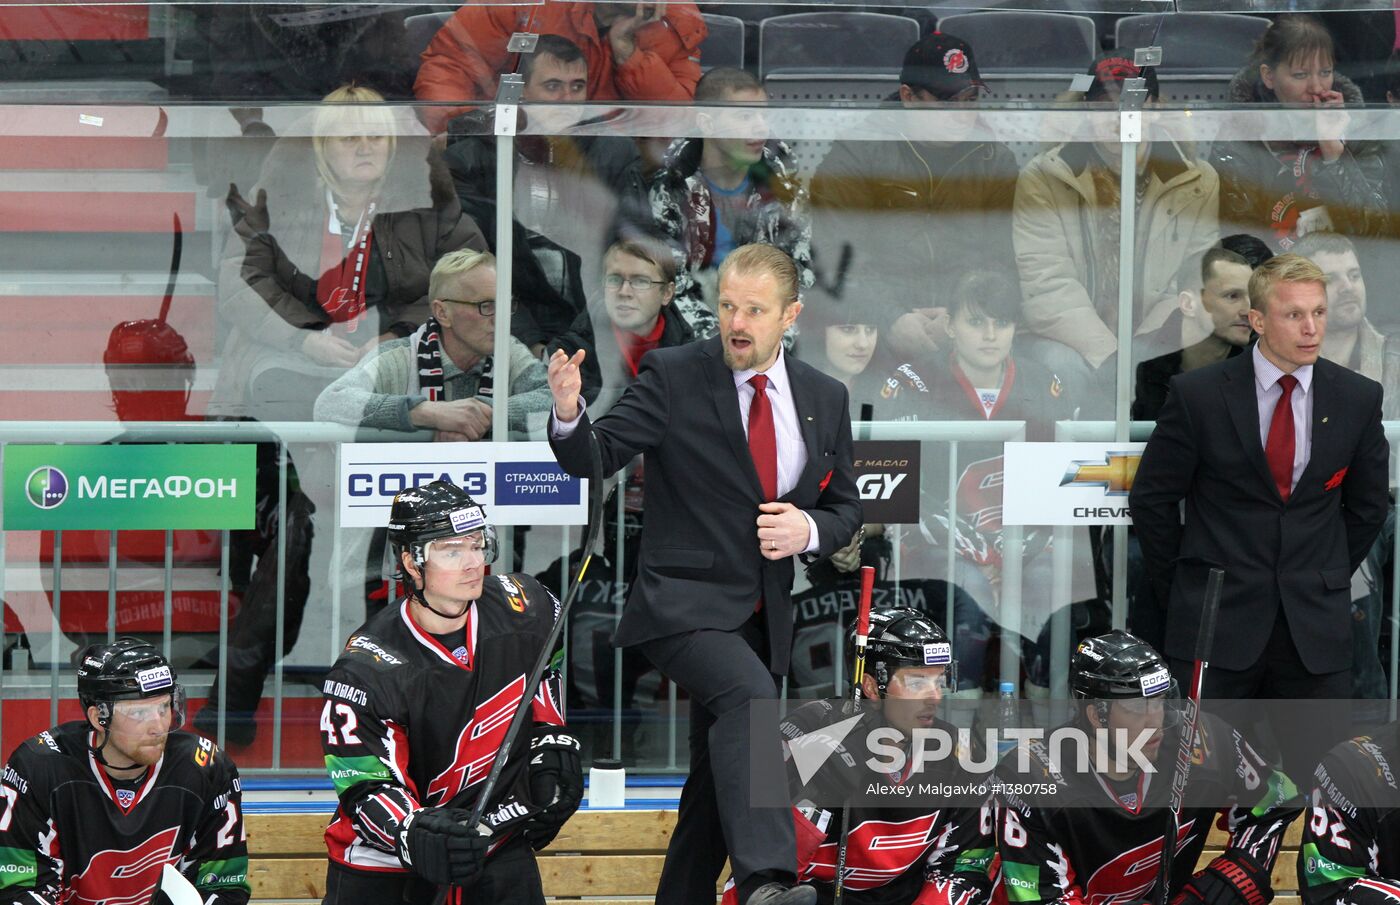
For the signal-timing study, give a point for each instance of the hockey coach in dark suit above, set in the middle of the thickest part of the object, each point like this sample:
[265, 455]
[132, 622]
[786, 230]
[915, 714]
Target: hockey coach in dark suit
[1282, 462]
[749, 463]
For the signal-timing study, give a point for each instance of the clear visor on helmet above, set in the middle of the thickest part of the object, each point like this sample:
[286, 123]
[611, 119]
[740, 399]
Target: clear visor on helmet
[1167, 703]
[924, 681]
[468, 551]
[166, 711]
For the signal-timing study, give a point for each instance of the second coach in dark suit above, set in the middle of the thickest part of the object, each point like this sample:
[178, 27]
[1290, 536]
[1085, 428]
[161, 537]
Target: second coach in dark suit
[1282, 463]
[749, 462]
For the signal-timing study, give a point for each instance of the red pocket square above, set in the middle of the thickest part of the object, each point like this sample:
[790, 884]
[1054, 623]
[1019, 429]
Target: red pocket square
[827, 480]
[1336, 480]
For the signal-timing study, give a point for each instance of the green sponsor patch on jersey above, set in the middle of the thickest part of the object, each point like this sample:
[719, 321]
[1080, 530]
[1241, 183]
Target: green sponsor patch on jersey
[229, 874]
[974, 860]
[351, 771]
[1022, 881]
[1320, 871]
[18, 867]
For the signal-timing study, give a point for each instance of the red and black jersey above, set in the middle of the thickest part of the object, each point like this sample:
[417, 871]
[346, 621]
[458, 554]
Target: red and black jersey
[70, 833]
[1093, 841]
[1351, 845]
[895, 854]
[413, 720]
[1028, 392]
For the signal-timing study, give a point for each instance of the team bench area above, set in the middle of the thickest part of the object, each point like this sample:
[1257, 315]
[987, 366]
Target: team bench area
[605, 857]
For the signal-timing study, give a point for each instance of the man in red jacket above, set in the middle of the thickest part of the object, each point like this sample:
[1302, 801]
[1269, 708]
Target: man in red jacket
[637, 52]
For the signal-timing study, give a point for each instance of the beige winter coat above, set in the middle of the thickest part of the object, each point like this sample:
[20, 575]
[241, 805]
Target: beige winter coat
[1053, 228]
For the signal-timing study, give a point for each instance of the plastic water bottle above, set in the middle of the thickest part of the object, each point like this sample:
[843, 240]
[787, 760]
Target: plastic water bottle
[1006, 718]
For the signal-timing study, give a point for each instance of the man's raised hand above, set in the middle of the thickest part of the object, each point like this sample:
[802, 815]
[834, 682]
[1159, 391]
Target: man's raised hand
[565, 383]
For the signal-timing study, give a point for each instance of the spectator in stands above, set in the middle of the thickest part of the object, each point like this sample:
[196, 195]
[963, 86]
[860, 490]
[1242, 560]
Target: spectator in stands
[1214, 300]
[1283, 190]
[636, 316]
[952, 195]
[331, 257]
[841, 337]
[981, 380]
[440, 378]
[635, 51]
[714, 194]
[1066, 230]
[1354, 342]
[573, 194]
[639, 284]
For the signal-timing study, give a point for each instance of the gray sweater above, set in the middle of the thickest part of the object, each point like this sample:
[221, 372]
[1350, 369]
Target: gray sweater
[374, 393]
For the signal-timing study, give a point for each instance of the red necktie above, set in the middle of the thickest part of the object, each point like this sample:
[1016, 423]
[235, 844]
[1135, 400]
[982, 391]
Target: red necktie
[763, 440]
[1279, 450]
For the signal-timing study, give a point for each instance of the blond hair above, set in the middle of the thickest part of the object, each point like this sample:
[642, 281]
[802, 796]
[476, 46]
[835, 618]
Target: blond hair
[452, 265]
[760, 258]
[350, 110]
[1287, 268]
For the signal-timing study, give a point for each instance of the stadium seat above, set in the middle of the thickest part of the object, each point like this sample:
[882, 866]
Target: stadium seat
[1200, 52]
[419, 30]
[1193, 42]
[1027, 41]
[724, 42]
[1026, 55]
[842, 43]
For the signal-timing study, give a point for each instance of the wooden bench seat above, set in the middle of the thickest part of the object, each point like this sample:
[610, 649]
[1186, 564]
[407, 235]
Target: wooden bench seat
[617, 854]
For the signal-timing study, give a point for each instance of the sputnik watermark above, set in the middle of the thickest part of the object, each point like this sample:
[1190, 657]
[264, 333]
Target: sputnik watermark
[1116, 751]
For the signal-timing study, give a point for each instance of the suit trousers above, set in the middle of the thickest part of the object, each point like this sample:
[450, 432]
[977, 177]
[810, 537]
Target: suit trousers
[1280, 674]
[722, 672]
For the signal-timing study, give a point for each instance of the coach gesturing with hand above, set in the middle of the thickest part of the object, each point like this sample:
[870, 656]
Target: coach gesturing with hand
[748, 462]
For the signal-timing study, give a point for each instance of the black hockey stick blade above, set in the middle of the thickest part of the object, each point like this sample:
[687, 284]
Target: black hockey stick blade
[1205, 638]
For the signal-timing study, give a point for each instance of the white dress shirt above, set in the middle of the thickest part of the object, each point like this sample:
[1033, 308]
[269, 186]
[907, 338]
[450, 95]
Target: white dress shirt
[792, 449]
[1268, 393]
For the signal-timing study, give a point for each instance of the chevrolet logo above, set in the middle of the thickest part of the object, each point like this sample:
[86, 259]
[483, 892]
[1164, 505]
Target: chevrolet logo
[1114, 473]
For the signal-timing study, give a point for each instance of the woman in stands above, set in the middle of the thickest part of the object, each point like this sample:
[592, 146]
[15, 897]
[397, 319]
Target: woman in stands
[1324, 181]
[330, 255]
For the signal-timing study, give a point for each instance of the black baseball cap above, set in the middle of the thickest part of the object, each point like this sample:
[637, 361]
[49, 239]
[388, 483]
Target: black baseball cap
[1114, 67]
[941, 64]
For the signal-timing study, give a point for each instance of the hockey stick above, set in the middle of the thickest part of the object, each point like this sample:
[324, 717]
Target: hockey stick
[532, 682]
[867, 585]
[1190, 719]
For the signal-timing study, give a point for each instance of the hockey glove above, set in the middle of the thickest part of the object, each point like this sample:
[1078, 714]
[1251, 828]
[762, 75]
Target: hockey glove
[556, 783]
[437, 845]
[1231, 879]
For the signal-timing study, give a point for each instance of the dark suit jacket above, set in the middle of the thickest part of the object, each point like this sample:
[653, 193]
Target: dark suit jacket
[700, 565]
[1299, 554]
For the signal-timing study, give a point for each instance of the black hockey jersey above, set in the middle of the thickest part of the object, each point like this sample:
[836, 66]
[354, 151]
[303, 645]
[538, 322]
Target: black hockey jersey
[896, 854]
[68, 833]
[408, 723]
[1094, 842]
[1351, 845]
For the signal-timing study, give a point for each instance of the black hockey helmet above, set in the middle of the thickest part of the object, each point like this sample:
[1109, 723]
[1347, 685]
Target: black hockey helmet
[424, 514]
[128, 669]
[1120, 666]
[900, 637]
